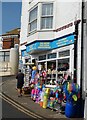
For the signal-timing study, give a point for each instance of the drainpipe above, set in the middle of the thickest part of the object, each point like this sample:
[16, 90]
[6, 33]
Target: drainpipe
[75, 49]
[84, 57]
[81, 74]
[81, 102]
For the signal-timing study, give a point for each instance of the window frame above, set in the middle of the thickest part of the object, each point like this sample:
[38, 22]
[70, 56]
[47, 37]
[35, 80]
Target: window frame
[47, 16]
[4, 56]
[63, 52]
[41, 56]
[30, 22]
[49, 56]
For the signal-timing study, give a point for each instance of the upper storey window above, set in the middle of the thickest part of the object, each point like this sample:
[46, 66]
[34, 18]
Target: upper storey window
[47, 16]
[33, 19]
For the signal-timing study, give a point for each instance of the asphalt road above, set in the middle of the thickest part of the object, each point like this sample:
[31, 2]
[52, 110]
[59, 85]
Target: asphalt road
[8, 111]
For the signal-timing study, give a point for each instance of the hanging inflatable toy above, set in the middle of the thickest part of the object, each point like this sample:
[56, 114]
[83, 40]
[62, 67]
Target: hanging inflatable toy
[33, 73]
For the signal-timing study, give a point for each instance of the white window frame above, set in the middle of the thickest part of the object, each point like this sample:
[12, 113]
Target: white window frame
[30, 22]
[46, 16]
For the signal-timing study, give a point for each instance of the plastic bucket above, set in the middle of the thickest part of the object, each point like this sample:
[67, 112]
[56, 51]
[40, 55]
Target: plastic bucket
[80, 108]
[70, 110]
[45, 104]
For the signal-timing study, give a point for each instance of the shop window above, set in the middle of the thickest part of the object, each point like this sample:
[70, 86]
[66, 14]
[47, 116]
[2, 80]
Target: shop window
[51, 72]
[52, 55]
[33, 19]
[42, 66]
[63, 64]
[47, 16]
[64, 53]
[51, 64]
[4, 56]
[42, 57]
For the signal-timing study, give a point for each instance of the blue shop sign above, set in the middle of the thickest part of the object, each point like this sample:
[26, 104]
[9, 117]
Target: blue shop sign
[45, 45]
[24, 53]
[38, 46]
[63, 42]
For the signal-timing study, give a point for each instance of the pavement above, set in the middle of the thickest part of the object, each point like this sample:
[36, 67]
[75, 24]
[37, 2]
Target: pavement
[9, 89]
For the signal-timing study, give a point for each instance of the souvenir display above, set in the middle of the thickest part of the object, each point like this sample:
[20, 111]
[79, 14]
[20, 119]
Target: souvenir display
[63, 97]
[46, 96]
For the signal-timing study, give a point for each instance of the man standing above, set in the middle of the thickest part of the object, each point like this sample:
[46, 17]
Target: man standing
[20, 82]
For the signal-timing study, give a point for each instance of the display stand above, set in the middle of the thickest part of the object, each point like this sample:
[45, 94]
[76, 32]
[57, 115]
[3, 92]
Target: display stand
[27, 74]
[27, 78]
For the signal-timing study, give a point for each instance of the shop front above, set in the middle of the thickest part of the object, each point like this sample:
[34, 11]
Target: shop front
[51, 82]
[56, 57]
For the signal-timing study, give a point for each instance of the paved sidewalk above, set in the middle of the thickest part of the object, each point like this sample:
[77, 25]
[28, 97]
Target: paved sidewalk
[9, 88]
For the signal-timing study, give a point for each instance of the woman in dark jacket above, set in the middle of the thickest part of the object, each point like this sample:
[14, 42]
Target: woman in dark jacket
[20, 82]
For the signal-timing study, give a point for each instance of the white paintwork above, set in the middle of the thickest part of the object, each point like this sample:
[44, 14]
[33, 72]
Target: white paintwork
[24, 22]
[14, 60]
[64, 13]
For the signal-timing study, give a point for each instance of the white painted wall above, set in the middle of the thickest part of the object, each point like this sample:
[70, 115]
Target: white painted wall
[67, 12]
[42, 35]
[24, 26]
[14, 60]
[64, 13]
[24, 22]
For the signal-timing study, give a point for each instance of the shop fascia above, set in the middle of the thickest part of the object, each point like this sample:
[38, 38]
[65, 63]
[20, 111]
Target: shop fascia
[50, 45]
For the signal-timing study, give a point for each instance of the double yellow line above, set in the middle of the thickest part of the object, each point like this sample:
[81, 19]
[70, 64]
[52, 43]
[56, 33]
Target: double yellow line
[21, 108]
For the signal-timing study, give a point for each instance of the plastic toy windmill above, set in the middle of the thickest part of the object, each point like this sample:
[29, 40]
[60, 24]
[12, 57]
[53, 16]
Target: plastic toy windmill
[72, 91]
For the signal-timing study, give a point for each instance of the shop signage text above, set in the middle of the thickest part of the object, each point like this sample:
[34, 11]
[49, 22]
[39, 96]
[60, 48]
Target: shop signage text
[51, 45]
[62, 42]
[38, 46]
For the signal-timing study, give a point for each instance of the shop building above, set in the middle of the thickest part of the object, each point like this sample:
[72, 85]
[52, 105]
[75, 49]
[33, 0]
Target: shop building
[48, 34]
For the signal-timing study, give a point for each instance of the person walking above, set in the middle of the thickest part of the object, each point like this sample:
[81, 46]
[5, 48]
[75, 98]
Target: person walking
[20, 82]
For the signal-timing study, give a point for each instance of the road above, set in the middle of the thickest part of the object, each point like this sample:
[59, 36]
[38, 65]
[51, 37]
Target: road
[9, 111]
